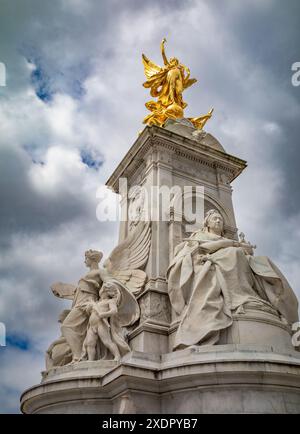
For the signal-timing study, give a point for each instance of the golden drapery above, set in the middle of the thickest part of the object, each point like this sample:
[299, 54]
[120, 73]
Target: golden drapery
[167, 84]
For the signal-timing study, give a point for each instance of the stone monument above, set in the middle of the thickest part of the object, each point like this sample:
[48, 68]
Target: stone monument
[182, 317]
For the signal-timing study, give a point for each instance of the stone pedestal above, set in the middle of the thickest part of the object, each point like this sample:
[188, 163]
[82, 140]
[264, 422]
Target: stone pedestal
[252, 369]
[214, 379]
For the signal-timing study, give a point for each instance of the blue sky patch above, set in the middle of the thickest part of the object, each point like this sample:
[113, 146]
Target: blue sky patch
[41, 83]
[48, 79]
[91, 161]
[18, 341]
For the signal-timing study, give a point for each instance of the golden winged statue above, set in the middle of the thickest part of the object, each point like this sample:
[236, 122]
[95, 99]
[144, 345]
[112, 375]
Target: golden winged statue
[167, 84]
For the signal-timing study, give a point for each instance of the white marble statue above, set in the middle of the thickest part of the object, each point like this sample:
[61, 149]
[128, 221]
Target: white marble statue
[122, 266]
[211, 276]
[116, 308]
[59, 353]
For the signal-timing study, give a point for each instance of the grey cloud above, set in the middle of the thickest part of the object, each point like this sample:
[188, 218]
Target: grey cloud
[25, 210]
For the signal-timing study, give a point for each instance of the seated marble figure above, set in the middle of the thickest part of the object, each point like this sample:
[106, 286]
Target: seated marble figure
[211, 277]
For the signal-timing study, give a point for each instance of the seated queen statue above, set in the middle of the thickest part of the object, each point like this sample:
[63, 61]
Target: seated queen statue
[211, 277]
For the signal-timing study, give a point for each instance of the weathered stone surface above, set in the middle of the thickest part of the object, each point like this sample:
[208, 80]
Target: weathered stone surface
[155, 306]
[252, 368]
[215, 379]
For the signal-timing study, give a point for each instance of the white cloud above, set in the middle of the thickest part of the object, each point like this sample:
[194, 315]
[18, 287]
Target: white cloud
[61, 169]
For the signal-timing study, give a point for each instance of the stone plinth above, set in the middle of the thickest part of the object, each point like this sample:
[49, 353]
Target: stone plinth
[253, 368]
[253, 327]
[172, 156]
[212, 379]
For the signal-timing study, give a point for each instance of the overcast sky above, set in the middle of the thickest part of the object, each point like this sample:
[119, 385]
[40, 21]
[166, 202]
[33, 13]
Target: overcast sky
[72, 107]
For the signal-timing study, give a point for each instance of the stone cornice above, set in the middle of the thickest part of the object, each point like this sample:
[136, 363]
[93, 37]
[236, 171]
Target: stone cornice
[156, 137]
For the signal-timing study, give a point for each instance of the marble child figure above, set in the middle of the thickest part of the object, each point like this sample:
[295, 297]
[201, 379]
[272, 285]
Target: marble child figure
[120, 274]
[104, 324]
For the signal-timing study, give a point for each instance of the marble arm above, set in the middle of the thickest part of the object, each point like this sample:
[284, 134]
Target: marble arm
[210, 246]
[213, 246]
[111, 312]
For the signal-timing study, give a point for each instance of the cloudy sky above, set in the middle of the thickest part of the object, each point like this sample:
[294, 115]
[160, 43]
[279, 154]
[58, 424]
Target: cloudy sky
[72, 106]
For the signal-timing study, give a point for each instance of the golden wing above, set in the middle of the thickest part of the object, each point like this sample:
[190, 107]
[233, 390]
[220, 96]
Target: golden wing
[201, 120]
[150, 67]
[189, 82]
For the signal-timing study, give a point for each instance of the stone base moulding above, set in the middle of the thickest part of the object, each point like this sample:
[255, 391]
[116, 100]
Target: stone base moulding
[212, 379]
